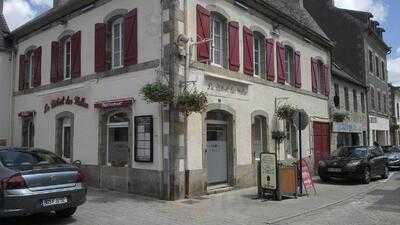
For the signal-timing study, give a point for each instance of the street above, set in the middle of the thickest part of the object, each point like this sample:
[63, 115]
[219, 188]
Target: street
[346, 203]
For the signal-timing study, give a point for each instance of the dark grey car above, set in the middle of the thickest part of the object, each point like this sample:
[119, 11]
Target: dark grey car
[36, 181]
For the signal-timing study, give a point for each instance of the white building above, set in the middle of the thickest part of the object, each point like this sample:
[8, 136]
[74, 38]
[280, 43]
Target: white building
[80, 68]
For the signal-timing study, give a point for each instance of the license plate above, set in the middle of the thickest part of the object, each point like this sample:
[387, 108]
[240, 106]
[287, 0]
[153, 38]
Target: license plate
[336, 170]
[54, 201]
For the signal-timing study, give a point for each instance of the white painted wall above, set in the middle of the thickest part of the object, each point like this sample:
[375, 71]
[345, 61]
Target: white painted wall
[5, 89]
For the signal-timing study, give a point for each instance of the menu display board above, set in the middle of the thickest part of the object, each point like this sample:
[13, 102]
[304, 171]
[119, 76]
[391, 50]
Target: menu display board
[268, 171]
[144, 139]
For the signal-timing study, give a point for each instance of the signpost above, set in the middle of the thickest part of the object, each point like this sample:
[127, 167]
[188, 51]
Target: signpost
[301, 120]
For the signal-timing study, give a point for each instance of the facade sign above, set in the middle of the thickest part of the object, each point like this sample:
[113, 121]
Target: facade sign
[114, 103]
[66, 100]
[268, 171]
[226, 86]
[347, 127]
[27, 114]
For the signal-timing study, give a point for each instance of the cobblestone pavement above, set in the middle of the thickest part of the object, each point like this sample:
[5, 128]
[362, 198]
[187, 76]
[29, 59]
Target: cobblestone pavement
[335, 201]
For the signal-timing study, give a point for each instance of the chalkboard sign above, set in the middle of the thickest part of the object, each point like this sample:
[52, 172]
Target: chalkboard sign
[268, 171]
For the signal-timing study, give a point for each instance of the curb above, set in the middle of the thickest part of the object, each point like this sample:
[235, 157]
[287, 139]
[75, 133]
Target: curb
[277, 220]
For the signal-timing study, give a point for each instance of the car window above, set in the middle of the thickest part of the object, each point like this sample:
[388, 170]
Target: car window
[15, 159]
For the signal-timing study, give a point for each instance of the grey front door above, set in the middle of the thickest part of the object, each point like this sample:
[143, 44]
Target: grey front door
[216, 151]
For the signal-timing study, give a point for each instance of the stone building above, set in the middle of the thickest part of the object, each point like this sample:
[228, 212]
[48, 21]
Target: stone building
[348, 98]
[361, 51]
[395, 114]
[79, 69]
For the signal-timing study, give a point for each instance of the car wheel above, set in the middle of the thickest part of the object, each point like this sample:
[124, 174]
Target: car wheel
[366, 176]
[385, 174]
[66, 212]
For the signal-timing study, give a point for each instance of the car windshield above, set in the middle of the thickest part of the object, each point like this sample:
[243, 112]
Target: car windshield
[356, 152]
[24, 160]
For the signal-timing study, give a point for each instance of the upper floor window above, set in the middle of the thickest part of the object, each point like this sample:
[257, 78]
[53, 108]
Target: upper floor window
[371, 61]
[117, 43]
[218, 46]
[289, 64]
[362, 102]
[398, 110]
[377, 67]
[337, 96]
[30, 66]
[372, 96]
[259, 54]
[384, 103]
[66, 54]
[383, 70]
[379, 101]
[346, 98]
[321, 77]
[355, 100]
[29, 69]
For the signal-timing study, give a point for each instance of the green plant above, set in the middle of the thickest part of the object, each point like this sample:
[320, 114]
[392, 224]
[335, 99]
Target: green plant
[285, 112]
[157, 92]
[341, 116]
[278, 136]
[395, 126]
[191, 101]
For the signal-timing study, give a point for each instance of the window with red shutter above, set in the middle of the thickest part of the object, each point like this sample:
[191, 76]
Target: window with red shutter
[22, 69]
[100, 47]
[270, 55]
[314, 75]
[37, 75]
[203, 34]
[130, 38]
[297, 69]
[76, 55]
[233, 33]
[55, 65]
[280, 57]
[248, 51]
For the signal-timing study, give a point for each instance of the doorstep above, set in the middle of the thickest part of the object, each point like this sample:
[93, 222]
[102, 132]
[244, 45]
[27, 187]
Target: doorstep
[220, 188]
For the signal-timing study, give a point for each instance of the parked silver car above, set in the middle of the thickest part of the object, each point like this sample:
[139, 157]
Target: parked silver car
[36, 181]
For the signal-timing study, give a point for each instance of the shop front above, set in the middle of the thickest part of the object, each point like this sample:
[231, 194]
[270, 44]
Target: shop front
[349, 133]
[379, 130]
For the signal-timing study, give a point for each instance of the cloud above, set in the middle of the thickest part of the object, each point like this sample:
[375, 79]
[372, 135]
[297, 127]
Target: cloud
[394, 70]
[398, 50]
[377, 7]
[18, 12]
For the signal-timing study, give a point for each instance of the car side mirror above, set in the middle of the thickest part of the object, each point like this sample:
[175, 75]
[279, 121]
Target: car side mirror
[77, 163]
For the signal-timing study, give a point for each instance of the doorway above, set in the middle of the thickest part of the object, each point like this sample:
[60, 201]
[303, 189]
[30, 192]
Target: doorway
[321, 142]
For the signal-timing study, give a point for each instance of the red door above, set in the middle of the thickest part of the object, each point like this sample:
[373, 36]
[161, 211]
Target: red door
[321, 142]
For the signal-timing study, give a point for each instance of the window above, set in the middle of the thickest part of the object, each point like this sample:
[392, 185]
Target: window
[116, 43]
[67, 58]
[218, 45]
[379, 101]
[289, 64]
[362, 102]
[383, 70]
[144, 139]
[118, 140]
[346, 99]
[371, 61]
[66, 138]
[28, 133]
[337, 96]
[384, 103]
[291, 141]
[321, 77]
[398, 110]
[260, 136]
[372, 96]
[355, 100]
[30, 69]
[378, 74]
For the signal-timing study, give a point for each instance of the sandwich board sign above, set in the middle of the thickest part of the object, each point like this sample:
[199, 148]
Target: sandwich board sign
[268, 171]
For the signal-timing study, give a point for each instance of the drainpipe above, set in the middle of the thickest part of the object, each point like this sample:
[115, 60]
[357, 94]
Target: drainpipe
[11, 94]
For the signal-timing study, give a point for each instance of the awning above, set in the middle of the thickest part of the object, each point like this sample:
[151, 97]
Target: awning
[27, 114]
[118, 103]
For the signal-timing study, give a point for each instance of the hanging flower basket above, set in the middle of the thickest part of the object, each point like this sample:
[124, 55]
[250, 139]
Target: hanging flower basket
[285, 112]
[192, 102]
[341, 116]
[157, 92]
[278, 136]
[395, 127]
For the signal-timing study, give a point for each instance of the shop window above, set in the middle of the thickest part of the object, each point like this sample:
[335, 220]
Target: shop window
[144, 139]
[289, 64]
[117, 43]
[259, 54]
[28, 133]
[219, 40]
[346, 98]
[259, 136]
[291, 146]
[355, 100]
[118, 140]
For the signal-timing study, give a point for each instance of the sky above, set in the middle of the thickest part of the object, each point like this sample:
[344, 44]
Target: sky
[387, 12]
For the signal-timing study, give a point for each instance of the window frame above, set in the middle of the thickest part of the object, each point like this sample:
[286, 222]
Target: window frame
[355, 100]
[67, 40]
[377, 69]
[337, 94]
[215, 17]
[110, 124]
[372, 96]
[371, 61]
[120, 22]
[362, 96]
[257, 55]
[289, 64]
[379, 101]
[136, 139]
[346, 98]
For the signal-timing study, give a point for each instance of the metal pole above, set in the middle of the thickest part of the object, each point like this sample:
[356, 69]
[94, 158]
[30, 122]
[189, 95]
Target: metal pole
[300, 154]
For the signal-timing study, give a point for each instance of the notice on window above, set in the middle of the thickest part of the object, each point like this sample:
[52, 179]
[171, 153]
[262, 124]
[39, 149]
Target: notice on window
[268, 171]
[144, 139]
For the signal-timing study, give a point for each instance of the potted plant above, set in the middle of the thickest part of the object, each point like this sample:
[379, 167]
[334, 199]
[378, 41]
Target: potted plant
[191, 101]
[157, 92]
[341, 116]
[278, 136]
[285, 112]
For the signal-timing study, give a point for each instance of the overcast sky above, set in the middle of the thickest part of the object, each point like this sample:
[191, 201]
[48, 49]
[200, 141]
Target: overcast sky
[387, 12]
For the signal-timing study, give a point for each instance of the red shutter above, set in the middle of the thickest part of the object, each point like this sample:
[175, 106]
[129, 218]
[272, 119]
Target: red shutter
[280, 54]
[21, 72]
[37, 75]
[55, 66]
[269, 61]
[314, 75]
[130, 38]
[76, 55]
[234, 61]
[297, 70]
[100, 47]
[203, 33]
[248, 51]
[327, 79]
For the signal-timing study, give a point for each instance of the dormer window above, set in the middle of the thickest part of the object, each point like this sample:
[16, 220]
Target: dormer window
[117, 43]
